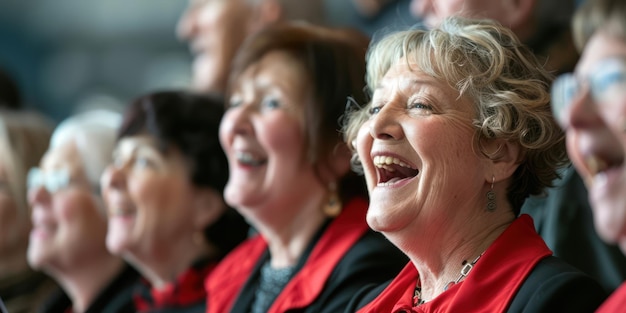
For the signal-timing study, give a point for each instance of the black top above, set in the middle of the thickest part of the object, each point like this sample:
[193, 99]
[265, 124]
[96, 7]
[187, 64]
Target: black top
[115, 298]
[372, 259]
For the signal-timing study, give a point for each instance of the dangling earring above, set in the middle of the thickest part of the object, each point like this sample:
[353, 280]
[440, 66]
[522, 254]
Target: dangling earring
[333, 207]
[491, 197]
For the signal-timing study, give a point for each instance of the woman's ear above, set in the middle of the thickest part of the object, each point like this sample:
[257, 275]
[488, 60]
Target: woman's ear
[336, 164]
[209, 206]
[504, 158]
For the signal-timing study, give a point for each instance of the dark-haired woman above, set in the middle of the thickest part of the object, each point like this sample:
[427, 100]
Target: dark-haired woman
[164, 195]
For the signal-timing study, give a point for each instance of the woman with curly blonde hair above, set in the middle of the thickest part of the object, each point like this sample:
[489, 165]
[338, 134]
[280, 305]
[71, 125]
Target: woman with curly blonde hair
[458, 133]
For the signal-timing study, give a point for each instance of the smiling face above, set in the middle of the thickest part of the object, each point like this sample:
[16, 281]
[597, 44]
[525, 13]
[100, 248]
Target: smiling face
[263, 136]
[69, 227]
[215, 29]
[417, 154]
[596, 134]
[149, 197]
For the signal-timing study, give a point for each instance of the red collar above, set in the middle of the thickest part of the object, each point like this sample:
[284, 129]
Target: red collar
[187, 290]
[498, 274]
[616, 302]
[224, 285]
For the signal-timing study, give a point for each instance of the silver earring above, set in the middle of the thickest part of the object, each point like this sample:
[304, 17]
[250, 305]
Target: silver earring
[491, 197]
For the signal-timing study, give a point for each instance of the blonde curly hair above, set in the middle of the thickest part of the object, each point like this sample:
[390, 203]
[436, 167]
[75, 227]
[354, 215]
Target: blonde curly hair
[506, 83]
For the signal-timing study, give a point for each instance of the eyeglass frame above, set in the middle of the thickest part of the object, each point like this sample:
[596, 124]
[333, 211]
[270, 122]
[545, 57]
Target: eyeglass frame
[55, 180]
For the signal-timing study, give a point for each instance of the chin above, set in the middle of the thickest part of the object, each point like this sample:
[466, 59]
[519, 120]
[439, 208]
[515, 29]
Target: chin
[609, 223]
[116, 243]
[36, 259]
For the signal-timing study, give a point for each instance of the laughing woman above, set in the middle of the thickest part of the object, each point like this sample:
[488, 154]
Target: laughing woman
[164, 195]
[458, 133]
[290, 177]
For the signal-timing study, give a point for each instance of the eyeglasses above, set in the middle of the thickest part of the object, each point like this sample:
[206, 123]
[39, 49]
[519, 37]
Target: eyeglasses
[52, 181]
[606, 83]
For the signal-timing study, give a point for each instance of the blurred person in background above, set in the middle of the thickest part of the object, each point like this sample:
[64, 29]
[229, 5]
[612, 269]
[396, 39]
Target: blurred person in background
[68, 238]
[562, 216]
[167, 216]
[590, 104]
[24, 138]
[215, 29]
[290, 176]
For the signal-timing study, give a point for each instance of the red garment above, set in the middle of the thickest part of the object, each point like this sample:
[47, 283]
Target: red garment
[616, 302]
[186, 291]
[498, 275]
[225, 283]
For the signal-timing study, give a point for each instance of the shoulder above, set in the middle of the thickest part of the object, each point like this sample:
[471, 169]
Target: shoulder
[370, 262]
[554, 285]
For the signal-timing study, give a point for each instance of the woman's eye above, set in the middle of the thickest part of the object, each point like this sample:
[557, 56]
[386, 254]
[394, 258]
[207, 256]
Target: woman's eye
[374, 110]
[270, 103]
[233, 103]
[142, 162]
[420, 106]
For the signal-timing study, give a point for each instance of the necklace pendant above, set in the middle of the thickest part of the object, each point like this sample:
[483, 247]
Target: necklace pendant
[448, 285]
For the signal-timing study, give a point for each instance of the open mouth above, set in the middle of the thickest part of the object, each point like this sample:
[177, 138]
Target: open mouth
[597, 164]
[121, 212]
[249, 159]
[392, 170]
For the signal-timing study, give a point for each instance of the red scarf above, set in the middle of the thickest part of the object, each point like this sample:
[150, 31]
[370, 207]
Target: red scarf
[187, 290]
[499, 274]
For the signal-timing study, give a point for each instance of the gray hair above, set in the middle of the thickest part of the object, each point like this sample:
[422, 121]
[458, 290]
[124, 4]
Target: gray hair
[508, 86]
[94, 133]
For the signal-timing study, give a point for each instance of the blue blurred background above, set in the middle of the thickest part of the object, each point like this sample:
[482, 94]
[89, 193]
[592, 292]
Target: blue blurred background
[69, 55]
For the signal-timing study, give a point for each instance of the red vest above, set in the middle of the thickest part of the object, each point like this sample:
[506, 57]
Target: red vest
[224, 284]
[498, 275]
[616, 302]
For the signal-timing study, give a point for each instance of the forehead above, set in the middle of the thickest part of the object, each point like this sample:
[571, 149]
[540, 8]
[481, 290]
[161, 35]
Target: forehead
[131, 143]
[601, 45]
[403, 75]
[65, 155]
[276, 68]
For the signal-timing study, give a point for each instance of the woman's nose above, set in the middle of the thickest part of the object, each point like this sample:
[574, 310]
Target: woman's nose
[238, 121]
[187, 26]
[583, 112]
[384, 125]
[38, 195]
[113, 177]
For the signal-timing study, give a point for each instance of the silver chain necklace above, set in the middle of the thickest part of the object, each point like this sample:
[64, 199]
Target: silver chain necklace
[465, 270]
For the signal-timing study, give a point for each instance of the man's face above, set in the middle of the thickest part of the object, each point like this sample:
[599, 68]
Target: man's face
[214, 29]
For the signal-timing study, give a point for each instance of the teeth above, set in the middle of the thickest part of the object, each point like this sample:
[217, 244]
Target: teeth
[121, 212]
[595, 165]
[384, 162]
[246, 158]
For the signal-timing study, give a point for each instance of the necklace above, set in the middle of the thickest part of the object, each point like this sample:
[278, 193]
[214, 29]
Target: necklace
[465, 270]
